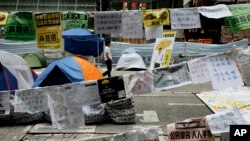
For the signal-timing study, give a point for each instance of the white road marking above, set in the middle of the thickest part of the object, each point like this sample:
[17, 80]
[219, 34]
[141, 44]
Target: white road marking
[150, 116]
[185, 104]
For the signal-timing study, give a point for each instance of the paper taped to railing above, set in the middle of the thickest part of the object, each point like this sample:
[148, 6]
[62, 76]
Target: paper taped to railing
[154, 32]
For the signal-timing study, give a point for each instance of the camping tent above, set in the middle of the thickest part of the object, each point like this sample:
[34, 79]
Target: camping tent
[81, 41]
[35, 60]
[67, 70]
[130, 60]
[14, 72]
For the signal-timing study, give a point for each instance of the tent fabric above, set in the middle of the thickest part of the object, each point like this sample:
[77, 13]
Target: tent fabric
[130, 60]
[81, 41]
[67, 70]
[35, 60]
[14, 72]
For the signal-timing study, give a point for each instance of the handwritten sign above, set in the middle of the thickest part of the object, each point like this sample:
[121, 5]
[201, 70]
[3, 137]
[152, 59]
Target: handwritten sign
[4, 103]
[140, 82]
[189, 130]
[154, 32]
[132, 24]
[240, 19]
[74, 19]
[80, 94]
[216, 12]
[220, 122]
[31, 100]
[20, 26]
[108, 22]
[3, 19]
[170, 77]
[63, 117]
[185, 18]
[223, 72]
[48, 30]
[199, 70]
[157, 17]
[111, 88]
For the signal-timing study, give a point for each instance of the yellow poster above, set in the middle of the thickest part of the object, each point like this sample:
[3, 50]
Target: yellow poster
[156, 17]
[169, 33]
[167, 57]
[3, 17]
[48, 30]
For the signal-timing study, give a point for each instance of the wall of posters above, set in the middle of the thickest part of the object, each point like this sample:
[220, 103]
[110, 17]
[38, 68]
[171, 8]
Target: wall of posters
[48, 30]
[157, 17]
[20, 26]
[74, 19]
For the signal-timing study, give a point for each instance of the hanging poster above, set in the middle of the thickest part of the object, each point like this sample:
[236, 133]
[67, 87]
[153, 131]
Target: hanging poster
[111, 88]
[216, 12]
[108, 22]
[241, 17]
[3, 17]
[220, 122]
[227, 99]
[172, 76]
[4, 103]
[185, 18]
[63, 117]
[20, 26]
[190, 130]
[48, 30]
[199, 70]
[74, 19]
[224, 72]
[31, 100]
[132, 24]
[157, 17]
[80, 94]
[162, 52]
[153, 32]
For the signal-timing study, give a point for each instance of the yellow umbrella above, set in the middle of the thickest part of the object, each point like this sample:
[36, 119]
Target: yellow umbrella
[164, 43]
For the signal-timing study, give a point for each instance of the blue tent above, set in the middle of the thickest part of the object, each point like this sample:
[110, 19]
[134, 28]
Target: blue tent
[83, 42]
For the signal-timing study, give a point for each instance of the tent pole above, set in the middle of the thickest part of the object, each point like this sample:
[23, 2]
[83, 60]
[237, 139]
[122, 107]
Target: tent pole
[17, 3]
[37, 5]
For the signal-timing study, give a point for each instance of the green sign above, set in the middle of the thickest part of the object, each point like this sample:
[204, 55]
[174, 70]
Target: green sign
[75, 19]
[241, 17]
[20, 26]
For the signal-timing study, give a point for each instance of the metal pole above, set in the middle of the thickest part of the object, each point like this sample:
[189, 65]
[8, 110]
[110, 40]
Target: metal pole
[37, 5]
[58, 4]
[76, 6]
[17, 3]
[100, 5]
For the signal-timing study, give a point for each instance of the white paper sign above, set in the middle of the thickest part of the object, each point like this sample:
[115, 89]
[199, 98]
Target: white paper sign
[149, 134]
[198, 70]
[132, 24]
[220, 122]
[108, 22]
[224, 72]
[154, 32]
[63, 117]
[80, 94]
[185, 18]
[140, 82]
[31, 100]
[216, 12]
[4, 103]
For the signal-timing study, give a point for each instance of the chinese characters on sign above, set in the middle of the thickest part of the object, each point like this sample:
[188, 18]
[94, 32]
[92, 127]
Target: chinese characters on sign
[31, 100]
[49, 34]
[132, 24]
[185, 18]
[198, 70]
[20, 26]
[153, 32]
[217, 11]
[224, 72]
[108, 22]
[75, 19]
[4, 103]
[156, 17]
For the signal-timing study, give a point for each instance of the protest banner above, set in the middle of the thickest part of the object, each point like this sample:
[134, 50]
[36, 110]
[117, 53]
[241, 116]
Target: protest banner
[74, 19]
[158, 17]
[108, 22]
[48, 30]
[20, 26]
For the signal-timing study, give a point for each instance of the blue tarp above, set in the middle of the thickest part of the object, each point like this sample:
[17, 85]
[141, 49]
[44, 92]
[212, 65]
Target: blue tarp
[81, 41]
